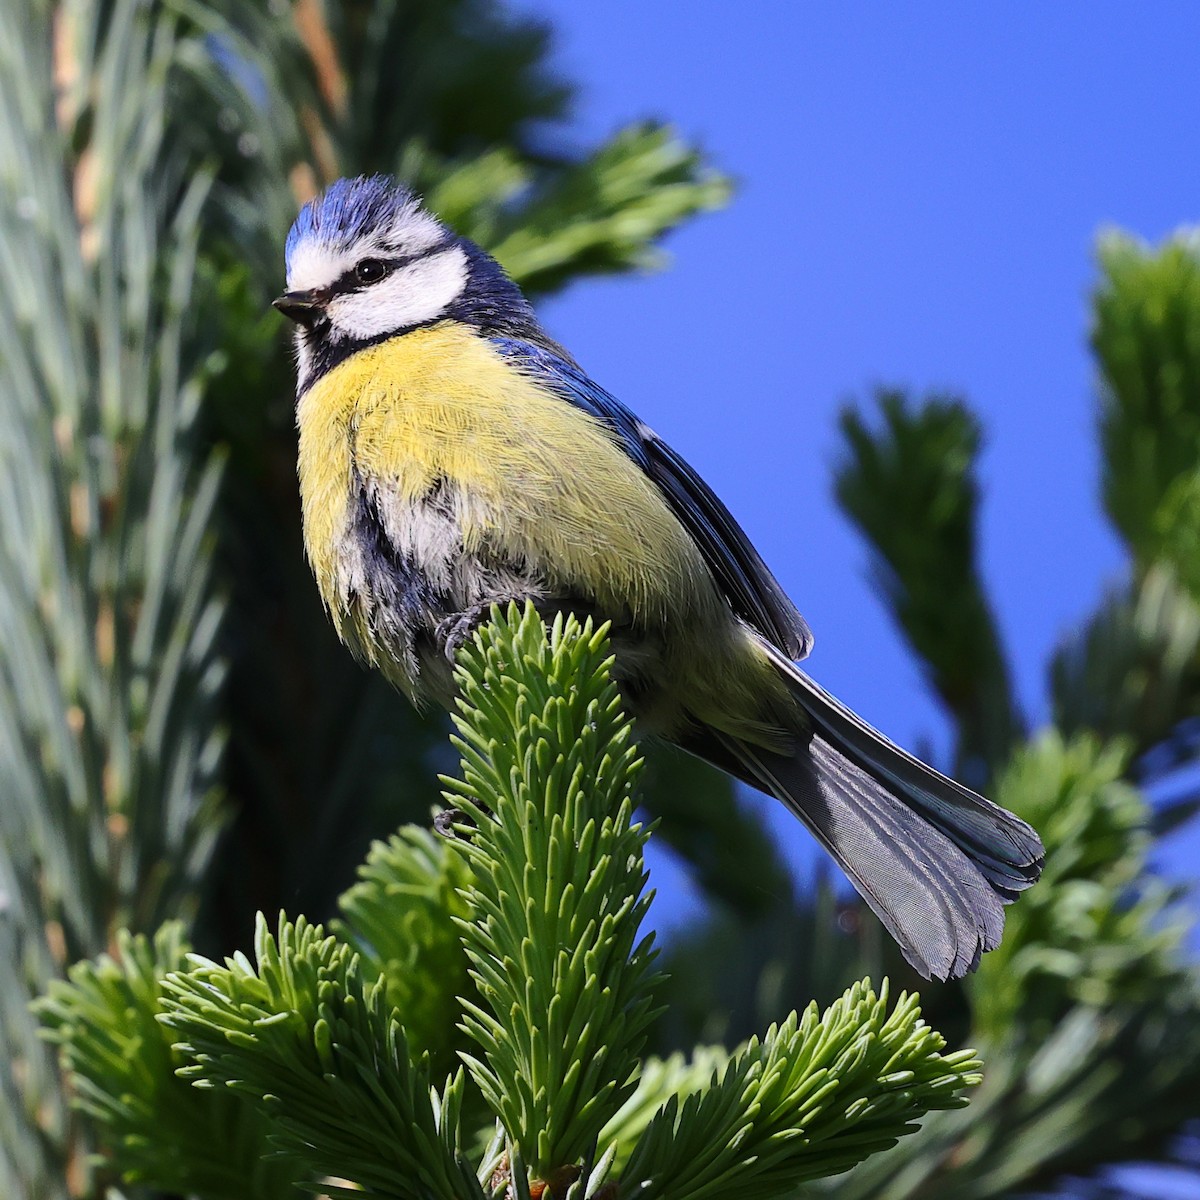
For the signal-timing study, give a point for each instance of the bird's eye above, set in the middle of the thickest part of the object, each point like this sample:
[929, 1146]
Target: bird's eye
[370, 270]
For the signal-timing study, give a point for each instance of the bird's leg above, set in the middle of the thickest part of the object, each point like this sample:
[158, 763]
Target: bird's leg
[453, 632]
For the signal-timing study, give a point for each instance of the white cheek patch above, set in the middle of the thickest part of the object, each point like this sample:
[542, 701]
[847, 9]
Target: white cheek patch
[420, 292]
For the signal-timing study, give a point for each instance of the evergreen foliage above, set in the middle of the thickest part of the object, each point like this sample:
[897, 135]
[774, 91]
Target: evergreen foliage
[110, 671]
[162, 1130]
[311, 1047]
[564, 983]
[816, 1096]
[1147, 313]
[166, 673]
[304, 1036]
[400, 918]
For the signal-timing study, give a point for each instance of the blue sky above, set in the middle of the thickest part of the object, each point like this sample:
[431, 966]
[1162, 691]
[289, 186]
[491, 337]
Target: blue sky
[919, 192]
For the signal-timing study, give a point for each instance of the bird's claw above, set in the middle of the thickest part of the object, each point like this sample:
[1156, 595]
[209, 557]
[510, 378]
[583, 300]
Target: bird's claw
[453, 632]
[453, 823]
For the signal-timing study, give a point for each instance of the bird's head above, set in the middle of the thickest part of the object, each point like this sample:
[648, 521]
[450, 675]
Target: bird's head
[366, 262]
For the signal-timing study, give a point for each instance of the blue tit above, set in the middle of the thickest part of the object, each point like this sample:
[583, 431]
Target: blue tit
[452, 456]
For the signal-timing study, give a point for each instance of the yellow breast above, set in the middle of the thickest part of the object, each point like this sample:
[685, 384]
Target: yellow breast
[545, 484]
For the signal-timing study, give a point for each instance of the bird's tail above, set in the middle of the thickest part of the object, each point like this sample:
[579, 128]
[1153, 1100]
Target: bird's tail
[936, 862]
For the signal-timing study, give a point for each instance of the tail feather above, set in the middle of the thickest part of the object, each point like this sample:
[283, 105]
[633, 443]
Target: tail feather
[923, 888]
[1007, 849]
[935, 861]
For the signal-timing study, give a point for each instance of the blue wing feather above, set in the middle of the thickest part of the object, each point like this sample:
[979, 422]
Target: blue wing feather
[747, 583]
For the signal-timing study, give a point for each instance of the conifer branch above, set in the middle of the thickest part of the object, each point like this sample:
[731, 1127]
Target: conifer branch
[1146, 314]
[1130, 673]
[909, 483]
[302, 1034]
[547, 775]
[547, 907]
[110, 674]
[158, 1128]
[660, 1081]
[402, 917]
[817, 1095]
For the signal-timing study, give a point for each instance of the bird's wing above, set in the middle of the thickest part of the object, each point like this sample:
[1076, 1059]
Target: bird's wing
[748, 585]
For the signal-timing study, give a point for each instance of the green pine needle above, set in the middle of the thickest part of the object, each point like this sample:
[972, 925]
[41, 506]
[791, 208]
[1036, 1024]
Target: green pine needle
[604, 214]
[303, 1035]
[549, 767]
[660, 1080]
[158, 1130]
[817, 1095]
[401, 918]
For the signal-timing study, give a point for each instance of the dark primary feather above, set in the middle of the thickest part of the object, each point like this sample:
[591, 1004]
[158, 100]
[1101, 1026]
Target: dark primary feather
[1005, 848]
[746, 581]
[934, 861]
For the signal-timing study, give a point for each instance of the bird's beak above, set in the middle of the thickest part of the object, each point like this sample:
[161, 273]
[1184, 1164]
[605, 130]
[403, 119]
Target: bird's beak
[305, 308]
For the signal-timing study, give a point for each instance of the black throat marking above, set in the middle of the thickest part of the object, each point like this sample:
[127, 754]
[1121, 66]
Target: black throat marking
[490, 303]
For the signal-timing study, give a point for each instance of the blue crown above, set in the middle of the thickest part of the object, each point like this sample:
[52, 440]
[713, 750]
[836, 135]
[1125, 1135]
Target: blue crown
[348, 209]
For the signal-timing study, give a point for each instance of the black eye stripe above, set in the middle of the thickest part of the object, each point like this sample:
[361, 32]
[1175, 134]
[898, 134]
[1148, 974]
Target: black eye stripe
[348, 281]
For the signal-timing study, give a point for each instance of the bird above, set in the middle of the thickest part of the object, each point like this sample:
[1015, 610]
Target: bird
[452, 456]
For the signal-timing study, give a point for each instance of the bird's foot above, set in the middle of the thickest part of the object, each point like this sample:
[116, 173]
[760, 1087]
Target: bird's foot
[454, 823]
[453, 632]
